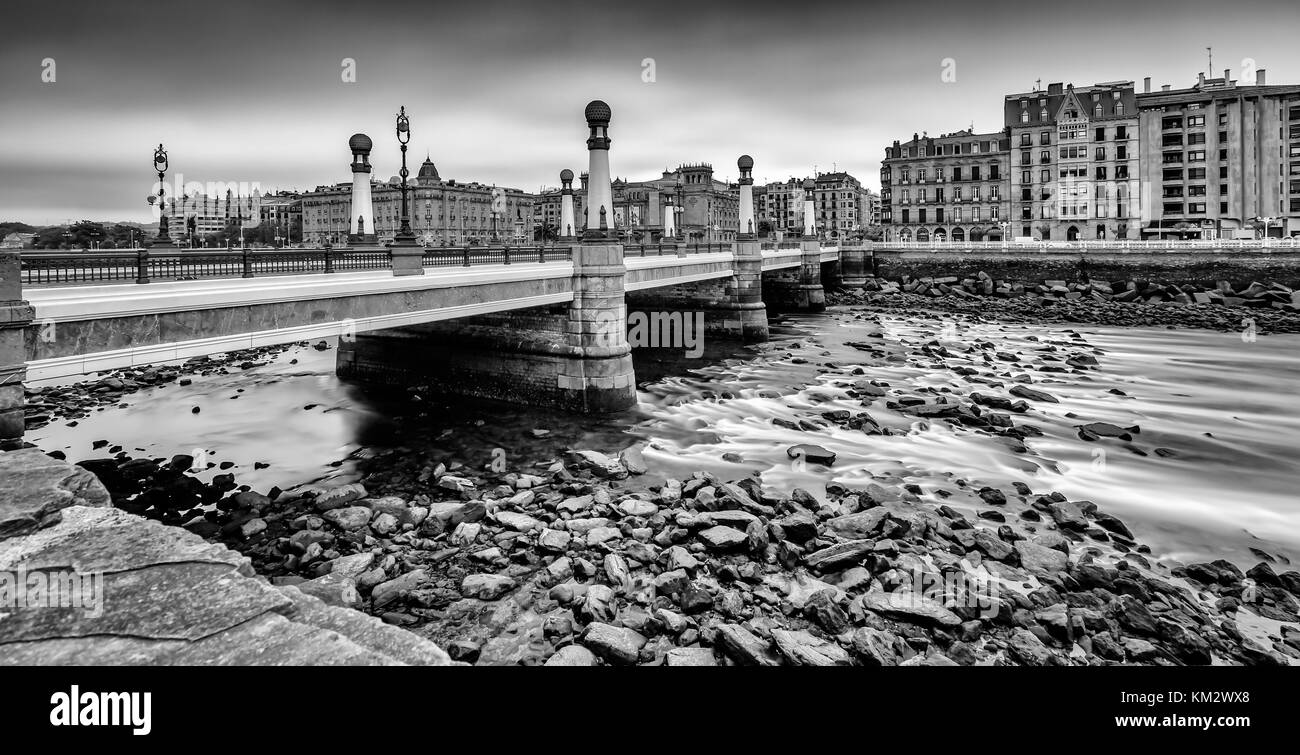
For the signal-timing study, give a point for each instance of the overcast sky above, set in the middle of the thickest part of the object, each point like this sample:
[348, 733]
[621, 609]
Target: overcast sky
[252, 91]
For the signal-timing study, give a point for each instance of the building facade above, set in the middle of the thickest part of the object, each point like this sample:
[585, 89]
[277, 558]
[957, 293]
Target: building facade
[707, 210]
[839, 201]
[1221, 159]
[950, 187]
[193, 217]
[1074, 172]
[442, 212]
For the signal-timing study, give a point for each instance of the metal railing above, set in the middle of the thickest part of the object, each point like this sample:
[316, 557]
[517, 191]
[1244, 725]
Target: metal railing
[143, 266]
[1191, 245]
[670, 249]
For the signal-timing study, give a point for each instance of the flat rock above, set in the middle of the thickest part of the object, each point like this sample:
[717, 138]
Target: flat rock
[35, 487]
[690, 657]
[910, 607]
[840, 554]
[617, 645]
[572, 655]
[746, 647]
[1040, 560]
[802, 648]
[486, 586]
[723, 538]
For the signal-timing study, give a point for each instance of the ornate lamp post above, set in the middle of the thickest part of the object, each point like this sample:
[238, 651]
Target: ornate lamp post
[160, 165]
[407, 255]
[404, 137]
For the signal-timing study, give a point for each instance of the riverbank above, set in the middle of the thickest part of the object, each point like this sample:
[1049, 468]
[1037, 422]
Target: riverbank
[577, 558]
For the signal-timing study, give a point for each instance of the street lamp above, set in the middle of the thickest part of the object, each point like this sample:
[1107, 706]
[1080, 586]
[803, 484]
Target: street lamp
[160, 165]
[1266, 221]
[405, 235]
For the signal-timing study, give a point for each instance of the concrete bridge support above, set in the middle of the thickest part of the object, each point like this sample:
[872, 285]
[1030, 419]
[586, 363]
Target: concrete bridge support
[571, 356]
[797, 288]
[855, 266]
[731, 307]
[15, 315]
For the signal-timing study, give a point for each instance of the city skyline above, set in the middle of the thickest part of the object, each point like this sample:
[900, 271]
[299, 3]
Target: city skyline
[256, 95]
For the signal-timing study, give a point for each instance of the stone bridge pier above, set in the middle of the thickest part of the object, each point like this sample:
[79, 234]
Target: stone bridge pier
[854, 266]
[797, 288]
[15, 315]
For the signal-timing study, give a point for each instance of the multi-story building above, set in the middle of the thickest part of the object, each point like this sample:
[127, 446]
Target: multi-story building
[193, 217]
[950, 187]
[707, 209]
[1219, 157]
[870, 208]
[283, 211]
[780, 205]
[838, 202]
[442, 212]
[1074, 162]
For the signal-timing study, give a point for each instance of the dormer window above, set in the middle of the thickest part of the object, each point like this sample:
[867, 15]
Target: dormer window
[1096, 111]
[1042, 115]
[1119, 108]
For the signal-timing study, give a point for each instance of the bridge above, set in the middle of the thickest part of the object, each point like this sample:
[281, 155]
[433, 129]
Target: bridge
[528, 324]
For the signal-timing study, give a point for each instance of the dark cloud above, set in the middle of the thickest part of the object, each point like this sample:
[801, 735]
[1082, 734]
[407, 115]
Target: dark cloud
[251, 91]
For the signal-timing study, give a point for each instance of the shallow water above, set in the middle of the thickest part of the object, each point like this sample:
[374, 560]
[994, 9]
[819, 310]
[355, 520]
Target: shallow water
[1224, 406]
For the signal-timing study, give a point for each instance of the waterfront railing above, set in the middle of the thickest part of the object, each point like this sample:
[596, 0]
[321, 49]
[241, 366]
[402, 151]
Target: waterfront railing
[142, 265]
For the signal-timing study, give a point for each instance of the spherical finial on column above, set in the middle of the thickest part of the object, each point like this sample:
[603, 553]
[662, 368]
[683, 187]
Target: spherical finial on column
[809, 184]
[360, 144]
[566, 176]
[598, 113]
[746, 165]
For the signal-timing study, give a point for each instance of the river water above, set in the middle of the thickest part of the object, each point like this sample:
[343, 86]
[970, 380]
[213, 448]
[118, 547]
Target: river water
[1222, 409]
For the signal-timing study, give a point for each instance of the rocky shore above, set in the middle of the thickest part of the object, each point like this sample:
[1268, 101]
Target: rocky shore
[585, 559]
[1257, 308]
[562, 565]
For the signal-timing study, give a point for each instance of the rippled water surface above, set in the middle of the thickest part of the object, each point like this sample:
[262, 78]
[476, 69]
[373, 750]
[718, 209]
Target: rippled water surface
[1223, 408]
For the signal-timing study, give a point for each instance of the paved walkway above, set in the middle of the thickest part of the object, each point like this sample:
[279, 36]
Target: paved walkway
[168, 596]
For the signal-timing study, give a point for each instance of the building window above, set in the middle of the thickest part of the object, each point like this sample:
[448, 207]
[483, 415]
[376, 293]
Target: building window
[1096, 111]
[1042, 115]
[1024, 116]
[1119, 108]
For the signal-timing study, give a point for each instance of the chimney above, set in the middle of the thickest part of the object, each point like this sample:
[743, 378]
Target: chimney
[1227, 75]
[1259, 77]
[1164, 87]
[1146, 85]
[1200, 79]
[1056, 88]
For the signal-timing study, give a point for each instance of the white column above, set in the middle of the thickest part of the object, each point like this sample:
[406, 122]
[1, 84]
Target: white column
[809, 217]
[599, 192]
[745, 222]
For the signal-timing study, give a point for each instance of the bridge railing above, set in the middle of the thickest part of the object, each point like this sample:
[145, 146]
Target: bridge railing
[670, 249]
[1122, 245]
[499, 255]
[143, 265]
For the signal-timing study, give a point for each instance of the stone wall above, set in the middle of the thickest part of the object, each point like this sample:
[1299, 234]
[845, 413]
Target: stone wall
[1202, 268]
